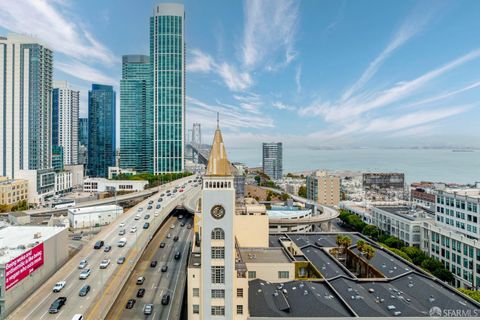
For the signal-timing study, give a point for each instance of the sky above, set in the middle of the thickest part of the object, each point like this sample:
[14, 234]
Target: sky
[312, 73]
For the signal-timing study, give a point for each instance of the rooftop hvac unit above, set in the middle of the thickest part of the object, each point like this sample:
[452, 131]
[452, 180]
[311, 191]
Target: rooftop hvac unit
[37, 235]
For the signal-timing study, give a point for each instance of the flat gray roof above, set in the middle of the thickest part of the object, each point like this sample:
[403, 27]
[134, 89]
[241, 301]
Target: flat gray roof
[264, 255]
[327, 266]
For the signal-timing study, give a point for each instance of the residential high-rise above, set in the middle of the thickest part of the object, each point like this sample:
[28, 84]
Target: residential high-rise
[65, 105]
[83, 131]
[323, 188]
[26, 102]
[167, 56]
[135, 114]
[101, 129]
[272, 160]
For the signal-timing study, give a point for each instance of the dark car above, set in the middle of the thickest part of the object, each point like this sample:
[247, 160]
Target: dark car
[147, 216]
[153, 264]
[158, 206]
[182, 224]
[177, 255]
[165, 299]
[164, 268]
[84, 290]
[162, 245]
[150, 202]
[149, 207]
[98, 245]
[175, 238]
[189, 226]
[57, 305]
[140, 293]
[146, 225]
[107, 248]
[160, 199]
[130, 303]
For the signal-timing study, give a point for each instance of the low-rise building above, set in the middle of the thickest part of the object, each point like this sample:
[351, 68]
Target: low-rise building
[361, 209]
[384, 186]
[102, 185]
[13, 191]
[115, 171]
[63, 182]
[41, 184]
[93, 216]
[29, 256]
[77, 171]
[323, 188]
[18, 218]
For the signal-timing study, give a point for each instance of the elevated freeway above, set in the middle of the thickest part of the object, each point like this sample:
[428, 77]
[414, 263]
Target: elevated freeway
[105, 283]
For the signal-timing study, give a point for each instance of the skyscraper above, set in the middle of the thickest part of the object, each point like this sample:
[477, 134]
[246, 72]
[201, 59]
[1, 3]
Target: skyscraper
[101, 129]
[83, 131]
[65, 107]
[25, 104]
[167, 56]
[272, 160]
[135, 114]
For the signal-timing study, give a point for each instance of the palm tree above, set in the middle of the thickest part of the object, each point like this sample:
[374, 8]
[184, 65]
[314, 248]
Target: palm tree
[369, 252]
[360, 245]
[347, 242]
[339, 242]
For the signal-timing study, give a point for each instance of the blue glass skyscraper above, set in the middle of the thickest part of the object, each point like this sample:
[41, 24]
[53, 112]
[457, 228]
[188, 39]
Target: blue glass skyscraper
[101, 128]
[167, 57]
[136, 140]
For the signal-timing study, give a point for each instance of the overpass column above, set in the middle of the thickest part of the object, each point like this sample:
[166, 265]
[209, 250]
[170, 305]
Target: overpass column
[329, 226]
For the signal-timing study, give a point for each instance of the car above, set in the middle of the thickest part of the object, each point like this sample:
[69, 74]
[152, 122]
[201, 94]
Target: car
[160, 199]
[146, 225]
[147, 309]
[57, 305]
[77, 237]
[180, 217]
[120, 260]
[107, 248]
[104, 264]
[147, 216]
[83, 263]
[177, 256]
[78, 316]
[150, 202]
[122, 242]
[182, 224]
[168, 191]
[181, 190]
[137, 217]
[98, 245]
[121, 225]
[162, 195]
[189, 226]
[121, 232]
[172, 226]
[130, 303]
[156, 214]
[140, 280]
[153, 264]
[59, 286]
[165, 299]
[164, 268]
[84, 290]
[169, 236]
[175, 238]
[189, 181]
[149, 208]
[133, 230]
[140, 293]
[162, 245]
[84, 274]
[158, 206]
[169, 194]
[140, 209]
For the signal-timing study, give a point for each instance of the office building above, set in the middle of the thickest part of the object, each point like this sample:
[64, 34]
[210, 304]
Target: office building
[44, 248]
[83, 131]
[63, 182]
[57, 158]
[13, 191]
[323, 188]
[384, 186]
[65, 106]
[26, 109]
[101, 130]
[273, 160]
[136, 114]
[167, 56]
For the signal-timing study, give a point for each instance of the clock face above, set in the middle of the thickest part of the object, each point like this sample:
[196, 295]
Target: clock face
[218, 212]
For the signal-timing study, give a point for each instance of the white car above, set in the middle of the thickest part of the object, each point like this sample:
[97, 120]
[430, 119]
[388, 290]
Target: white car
[84, 274]
[83, 263]
[133, 230]
[172, 226]
[104, 264]
[122, 225]
[59, 286]
[137, 217]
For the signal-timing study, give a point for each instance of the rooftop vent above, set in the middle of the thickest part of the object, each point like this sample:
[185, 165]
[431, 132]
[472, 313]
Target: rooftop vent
[37, 235]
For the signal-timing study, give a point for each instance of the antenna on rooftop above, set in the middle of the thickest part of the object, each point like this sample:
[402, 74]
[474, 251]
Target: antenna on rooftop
[218, 120]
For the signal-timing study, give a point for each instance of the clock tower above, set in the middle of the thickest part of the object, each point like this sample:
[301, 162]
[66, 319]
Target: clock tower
[218, 235]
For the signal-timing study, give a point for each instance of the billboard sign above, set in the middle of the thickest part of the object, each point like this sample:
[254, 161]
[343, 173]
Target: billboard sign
[23, 265]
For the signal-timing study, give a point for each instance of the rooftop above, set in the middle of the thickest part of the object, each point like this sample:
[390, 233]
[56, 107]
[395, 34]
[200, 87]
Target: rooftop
[15, 240]
[88, 210]
[405, 212]
[467, 192]
[264, 255]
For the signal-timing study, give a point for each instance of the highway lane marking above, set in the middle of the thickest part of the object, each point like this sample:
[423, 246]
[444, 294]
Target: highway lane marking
[42, 316]
[58, 315]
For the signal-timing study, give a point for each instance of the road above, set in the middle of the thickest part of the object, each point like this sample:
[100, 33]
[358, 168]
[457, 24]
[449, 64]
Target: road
[103, 289]
[157, 283]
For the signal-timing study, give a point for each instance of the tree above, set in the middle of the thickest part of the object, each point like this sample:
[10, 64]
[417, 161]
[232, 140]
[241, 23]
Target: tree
[360, 245]
[369, 253]
[371, 230]
[416, 254]
[302, 191]
[431, 264]
[475, 295]
[393, 242]
[443, 274]
[257, 179]
[284, 197]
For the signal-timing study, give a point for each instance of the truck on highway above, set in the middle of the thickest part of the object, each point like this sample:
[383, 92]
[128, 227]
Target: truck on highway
[122, 242]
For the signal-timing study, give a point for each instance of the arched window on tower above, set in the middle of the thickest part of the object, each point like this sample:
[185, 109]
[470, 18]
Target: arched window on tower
[218, 234]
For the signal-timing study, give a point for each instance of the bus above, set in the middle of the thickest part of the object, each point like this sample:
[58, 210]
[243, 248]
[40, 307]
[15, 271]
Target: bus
[64, 204]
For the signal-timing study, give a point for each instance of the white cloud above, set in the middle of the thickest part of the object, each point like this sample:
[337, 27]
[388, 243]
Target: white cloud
[85, 72]
[200, 62]
[281, 106]
[298, 76]
[269, 30]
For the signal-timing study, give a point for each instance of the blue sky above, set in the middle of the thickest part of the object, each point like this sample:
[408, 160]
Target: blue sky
[309, 73]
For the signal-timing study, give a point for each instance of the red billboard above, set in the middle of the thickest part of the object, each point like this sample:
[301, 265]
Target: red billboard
[23, 265]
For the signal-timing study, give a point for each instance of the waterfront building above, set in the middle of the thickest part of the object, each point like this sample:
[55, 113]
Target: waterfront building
[26, 66]
[323, 188]
[101, 130]
[136, 114]
[65, 107]
[272, 163]
[167, 57]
